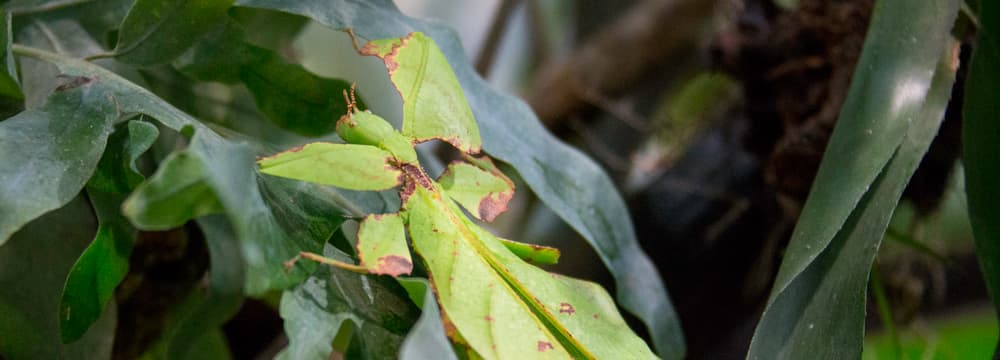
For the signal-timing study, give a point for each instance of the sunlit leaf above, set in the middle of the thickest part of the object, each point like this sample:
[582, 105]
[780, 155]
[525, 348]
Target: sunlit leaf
[816, 308]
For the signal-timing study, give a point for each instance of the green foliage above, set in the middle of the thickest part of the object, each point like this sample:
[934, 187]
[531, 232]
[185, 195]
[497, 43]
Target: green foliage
[980, 134]
[157, 31]
[817, 305]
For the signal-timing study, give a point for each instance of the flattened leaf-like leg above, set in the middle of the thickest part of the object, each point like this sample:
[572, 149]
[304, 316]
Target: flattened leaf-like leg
[382, 245]
[348, 166]
[531, 253]
[482, 192]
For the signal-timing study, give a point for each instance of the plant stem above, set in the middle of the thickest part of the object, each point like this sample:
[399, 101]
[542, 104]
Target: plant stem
[885, 311]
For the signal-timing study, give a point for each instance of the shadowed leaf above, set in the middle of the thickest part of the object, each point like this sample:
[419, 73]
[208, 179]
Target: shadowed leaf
[817, 306]
[96, 274]
[315, 310]
[47, 154]
[157, 31]
[981, 144]
[288, 94]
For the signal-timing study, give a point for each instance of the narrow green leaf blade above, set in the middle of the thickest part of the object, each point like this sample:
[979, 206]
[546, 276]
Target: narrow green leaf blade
[434, 106]
[821, 312]
[47, 154]
[382, 245]
[575, 187]
[348, 166]
[904, 42]
[10, 87]
[157, 31]
[981, 144]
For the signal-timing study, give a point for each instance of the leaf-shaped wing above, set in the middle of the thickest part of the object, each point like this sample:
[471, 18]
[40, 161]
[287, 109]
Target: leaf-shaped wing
[484, 193]
[434, 106]
[348, 166]
[382, 245]
[505, 308]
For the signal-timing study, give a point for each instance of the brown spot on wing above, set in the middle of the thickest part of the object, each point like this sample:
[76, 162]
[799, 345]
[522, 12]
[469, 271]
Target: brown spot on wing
[494, 204]
[393, 265]
[566, 308]
[545, 345]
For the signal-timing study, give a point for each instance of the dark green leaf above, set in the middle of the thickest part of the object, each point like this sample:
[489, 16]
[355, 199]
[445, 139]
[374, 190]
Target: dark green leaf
[566, 180]
[274, 219]
[378, 308]
[157, 31]
[288, 94]
[9, 85]
[116, 171]
[816, 308]
[33, 266]
[981, 144]
[93, 278]
[176, 193]
[47, 154]
[97, 272]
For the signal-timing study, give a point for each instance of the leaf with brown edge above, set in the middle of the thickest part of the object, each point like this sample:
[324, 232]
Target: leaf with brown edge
[382, 245]
[348, 166]
[434, 106]
[483, 193]
[516, 310]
